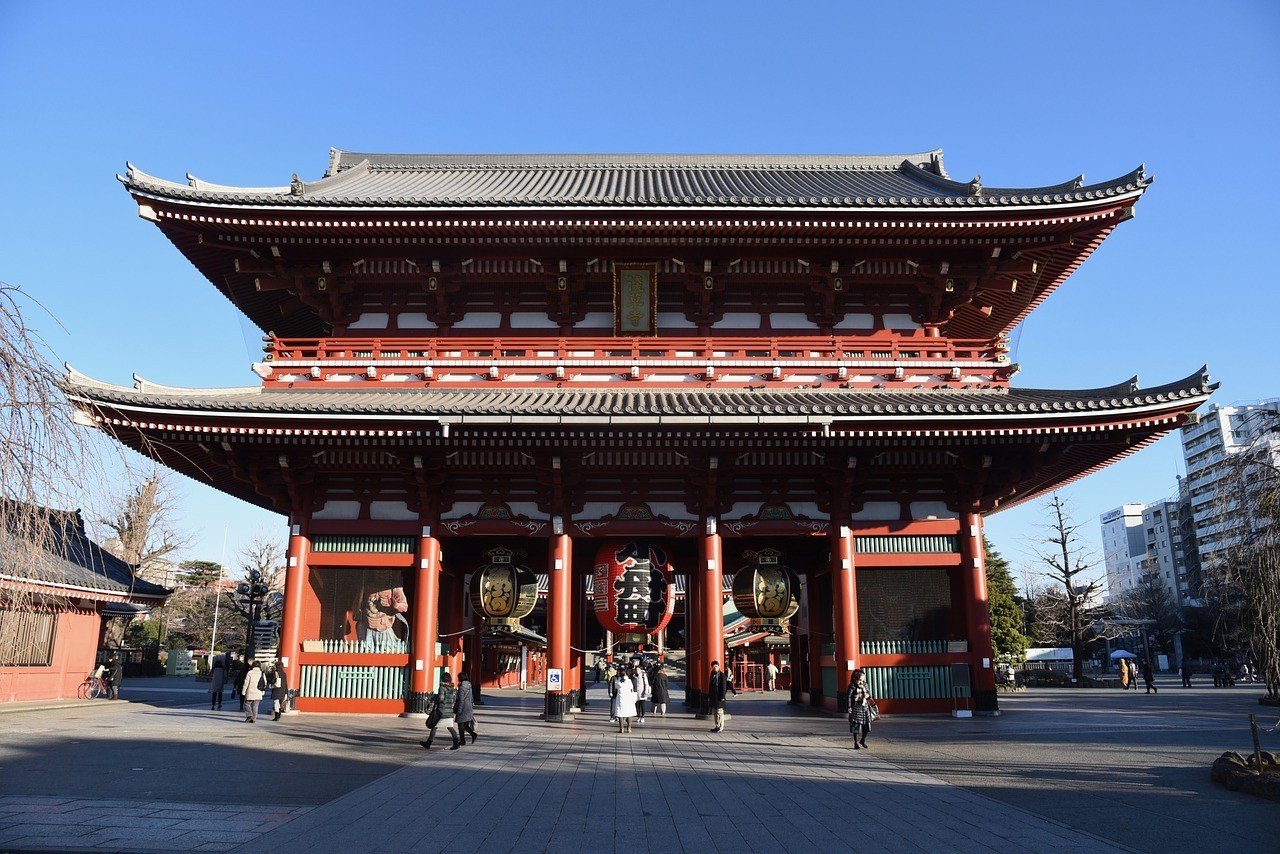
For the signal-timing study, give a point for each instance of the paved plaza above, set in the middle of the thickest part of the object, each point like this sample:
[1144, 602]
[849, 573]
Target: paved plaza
[1061, 770]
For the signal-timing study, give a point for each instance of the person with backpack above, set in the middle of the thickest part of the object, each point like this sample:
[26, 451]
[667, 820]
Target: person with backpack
[442, 712]
[253, 687]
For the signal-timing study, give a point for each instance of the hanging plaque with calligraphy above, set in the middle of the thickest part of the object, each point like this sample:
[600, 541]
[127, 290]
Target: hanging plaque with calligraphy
[635, 299]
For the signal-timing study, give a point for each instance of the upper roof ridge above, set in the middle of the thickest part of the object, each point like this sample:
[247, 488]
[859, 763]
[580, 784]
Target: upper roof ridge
[340, 160]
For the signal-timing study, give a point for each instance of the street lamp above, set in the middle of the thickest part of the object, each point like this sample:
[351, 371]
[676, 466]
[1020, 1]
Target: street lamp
[251, 594]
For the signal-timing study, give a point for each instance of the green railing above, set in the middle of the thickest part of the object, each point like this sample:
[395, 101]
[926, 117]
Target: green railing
[917, 544]
[343, 682]
[912, 683]
[362, 544]
[901, 647]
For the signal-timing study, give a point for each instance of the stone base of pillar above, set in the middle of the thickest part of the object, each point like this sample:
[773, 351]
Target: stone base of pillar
[557, 708]
[985, 703]
[416, 704]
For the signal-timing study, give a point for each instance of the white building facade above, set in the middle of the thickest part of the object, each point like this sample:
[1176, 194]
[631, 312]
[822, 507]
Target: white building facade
[1222, 433]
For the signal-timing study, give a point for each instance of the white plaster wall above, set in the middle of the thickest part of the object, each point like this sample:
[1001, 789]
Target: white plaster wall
[338, 510]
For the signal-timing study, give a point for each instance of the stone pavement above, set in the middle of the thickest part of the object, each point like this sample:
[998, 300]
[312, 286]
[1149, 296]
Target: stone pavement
[1061, 770]
[670, 786]
[33, 822]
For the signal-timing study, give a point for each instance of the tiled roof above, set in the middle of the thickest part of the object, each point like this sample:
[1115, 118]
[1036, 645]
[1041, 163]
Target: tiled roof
[664, 403]
[79, 562]
[635, 181]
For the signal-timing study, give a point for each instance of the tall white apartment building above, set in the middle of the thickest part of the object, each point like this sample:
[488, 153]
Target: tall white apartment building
[1148, 541]
[1223, 432]
[1124, 548]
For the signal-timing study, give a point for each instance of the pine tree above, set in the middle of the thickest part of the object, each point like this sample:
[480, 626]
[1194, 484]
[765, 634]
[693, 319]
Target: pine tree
[1006, 617]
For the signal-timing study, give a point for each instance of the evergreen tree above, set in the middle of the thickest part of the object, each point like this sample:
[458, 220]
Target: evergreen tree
[1006, 617]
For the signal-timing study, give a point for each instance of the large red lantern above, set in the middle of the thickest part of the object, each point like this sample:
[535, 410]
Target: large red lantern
[631, 587]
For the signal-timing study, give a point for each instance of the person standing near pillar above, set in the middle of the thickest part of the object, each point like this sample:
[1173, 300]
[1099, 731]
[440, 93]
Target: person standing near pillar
[718, 688]
[862, 709]
[661, 693]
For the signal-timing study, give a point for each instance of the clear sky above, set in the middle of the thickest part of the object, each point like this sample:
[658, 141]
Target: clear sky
[1023, 93]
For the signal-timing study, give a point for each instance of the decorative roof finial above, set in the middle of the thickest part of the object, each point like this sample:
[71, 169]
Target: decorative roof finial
[295, 185]
[975, 186]
[1079, 181]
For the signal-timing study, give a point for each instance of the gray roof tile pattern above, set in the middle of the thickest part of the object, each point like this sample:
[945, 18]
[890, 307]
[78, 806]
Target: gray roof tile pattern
[634, 181]
[418, 402]
[80, 562]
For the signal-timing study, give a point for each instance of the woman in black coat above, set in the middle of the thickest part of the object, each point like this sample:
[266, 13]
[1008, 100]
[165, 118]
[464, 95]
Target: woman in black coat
[660, 694]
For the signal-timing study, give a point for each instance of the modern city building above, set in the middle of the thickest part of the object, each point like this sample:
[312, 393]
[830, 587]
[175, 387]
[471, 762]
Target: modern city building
[1124, 548]
[1209, 445]
[590, 362]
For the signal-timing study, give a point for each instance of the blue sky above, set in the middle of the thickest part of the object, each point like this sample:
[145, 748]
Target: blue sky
[1023, 93]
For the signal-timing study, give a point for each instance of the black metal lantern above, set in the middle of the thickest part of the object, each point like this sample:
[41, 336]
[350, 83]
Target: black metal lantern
[766, 591]
[503, 591]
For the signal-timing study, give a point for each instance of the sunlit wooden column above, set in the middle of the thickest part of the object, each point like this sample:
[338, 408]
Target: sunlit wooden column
[425, 623]
[711, 574]
[559, 618]
[295, 583]
[844, 597]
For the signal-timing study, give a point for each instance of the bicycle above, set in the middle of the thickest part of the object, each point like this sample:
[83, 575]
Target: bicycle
[91, 688]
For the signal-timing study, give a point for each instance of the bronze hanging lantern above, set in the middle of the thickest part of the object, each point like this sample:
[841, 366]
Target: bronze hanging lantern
[766, 591]
[503, 592]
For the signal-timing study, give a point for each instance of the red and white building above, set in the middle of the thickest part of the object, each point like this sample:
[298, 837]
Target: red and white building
[721, 353]
[54, 612]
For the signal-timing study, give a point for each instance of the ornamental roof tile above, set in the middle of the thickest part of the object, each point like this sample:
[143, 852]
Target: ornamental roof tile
[634, 181]
[428, 402]
[77, 561]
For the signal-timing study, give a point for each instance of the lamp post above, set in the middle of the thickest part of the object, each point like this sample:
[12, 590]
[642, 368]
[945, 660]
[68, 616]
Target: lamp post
[252, 593]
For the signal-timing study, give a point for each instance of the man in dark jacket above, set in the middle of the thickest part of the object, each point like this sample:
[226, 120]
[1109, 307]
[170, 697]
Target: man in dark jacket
[1149, 677]
[718, 687]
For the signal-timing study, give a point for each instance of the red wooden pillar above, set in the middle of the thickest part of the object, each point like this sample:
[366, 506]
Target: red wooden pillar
[692, 641]
[452, 623]
[844, 595]
[575, 682]
[559, 621]
[295, 582]
[425, 631]
[978, 616]
[711, 603]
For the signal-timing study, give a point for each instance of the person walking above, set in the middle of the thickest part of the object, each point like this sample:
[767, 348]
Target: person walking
[217, 684]
[862, 709]
[1186, 672]
[1149, 677]
[661, 693]
[279, 684]
[718, 688]
[464, 712]
[623, 708]
[114, 677]
[442, 712]
[235, 674]
[771, 676]
[1124, 674]
[599, 671]
[640, 681]
[252, 688]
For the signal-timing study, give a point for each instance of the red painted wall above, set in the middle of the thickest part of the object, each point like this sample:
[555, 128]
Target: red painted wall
[74, 649]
